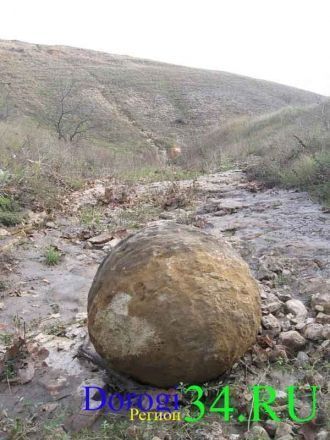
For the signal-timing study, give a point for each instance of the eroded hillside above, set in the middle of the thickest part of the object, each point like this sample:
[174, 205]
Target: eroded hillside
[135, 101]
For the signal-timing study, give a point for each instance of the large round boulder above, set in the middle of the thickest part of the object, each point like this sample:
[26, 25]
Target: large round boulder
[173, 304]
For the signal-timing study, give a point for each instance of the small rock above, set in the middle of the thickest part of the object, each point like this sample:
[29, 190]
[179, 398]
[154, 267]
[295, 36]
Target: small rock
[114, 242]
[81, 316]
[302, 359]
[300, 326]
[313, 331]
[4, 232]
[282, 430]
[286, 325]
[75, 331]
[315, 378]
[2, 306]
[98, 257]
[81, 257]
[283, 296]
[297, 308]
[270, 426]
[111, 244]
[37, 218]
[101, 239]
[166, 216]
[51, 225]
[302, 408]
[321, 299]
[265, 274]
[281, 397]
[322, 318]
[273, 264]
[272, 324]
[323, 435]
[273, 303]
[257, 432]
[54, 316]
[55, 308]
[81, 420]
[326, 331]
[263, 294]
[325, 349]
[56, 385]
[278, 352]
[108, 195]
[292, 340]
[49, 407]
[212, 431]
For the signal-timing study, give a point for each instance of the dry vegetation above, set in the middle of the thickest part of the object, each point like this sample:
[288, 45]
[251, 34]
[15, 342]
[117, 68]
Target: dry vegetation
[37, 168]
[70, 115]
[132, 103]
[290, 147]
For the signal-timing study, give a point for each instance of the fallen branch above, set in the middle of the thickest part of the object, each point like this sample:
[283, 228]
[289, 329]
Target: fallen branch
[123, 382]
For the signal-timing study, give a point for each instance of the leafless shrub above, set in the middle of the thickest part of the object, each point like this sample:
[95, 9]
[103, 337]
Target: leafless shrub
[68, 111]
[176, 195]
[39, 168]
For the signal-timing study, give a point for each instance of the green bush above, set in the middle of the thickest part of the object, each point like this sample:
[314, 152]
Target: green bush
[290, 147]
[90, 215]
[302, 173]
[267, 170]
[52, 256]
[9, 212]
[10, 218]
[322, 192]
[7, 204]
[308, 172]
[323, 164]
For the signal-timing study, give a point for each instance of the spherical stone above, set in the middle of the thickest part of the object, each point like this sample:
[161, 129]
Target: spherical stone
[173, 304]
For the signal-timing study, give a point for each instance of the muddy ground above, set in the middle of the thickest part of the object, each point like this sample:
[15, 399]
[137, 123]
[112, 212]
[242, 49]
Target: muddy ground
[284, 237]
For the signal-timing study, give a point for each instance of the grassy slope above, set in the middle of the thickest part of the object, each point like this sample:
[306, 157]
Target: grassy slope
[139, 101]
[137, 108]
[290, 147]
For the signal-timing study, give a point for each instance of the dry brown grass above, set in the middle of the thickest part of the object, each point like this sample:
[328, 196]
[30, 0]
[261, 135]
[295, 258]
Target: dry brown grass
[38, 168]
[134, 104]
[136, 110]
[290, 147]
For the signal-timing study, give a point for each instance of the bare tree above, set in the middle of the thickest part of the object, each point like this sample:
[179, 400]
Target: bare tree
[62, 111]
[69, 114]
